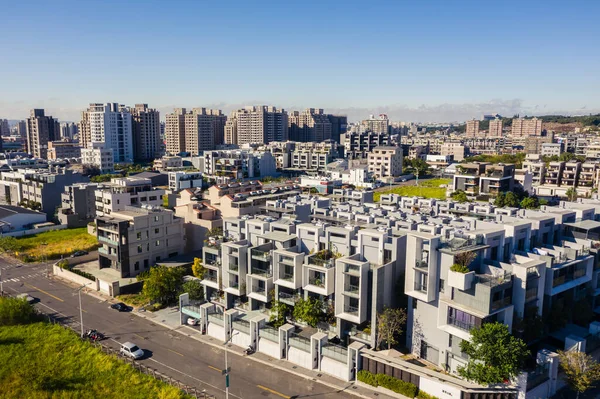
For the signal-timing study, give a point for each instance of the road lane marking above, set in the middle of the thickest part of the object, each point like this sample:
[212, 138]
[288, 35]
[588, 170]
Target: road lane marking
[214, 368]
[177, 353]
[138, 335]
[194, 378]
[273, 392]
[42, 291]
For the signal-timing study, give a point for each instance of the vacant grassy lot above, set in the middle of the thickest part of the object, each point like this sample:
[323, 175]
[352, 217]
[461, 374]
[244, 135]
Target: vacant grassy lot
[427, 188]
[60, 242]
[46, 361]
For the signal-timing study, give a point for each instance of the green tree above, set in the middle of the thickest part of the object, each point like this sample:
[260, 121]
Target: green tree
[571, 194]
[198, 269]
[465, 258]
[581, 370]
[494, 354]
[162, 284]
[194, 289]
[309, 311]
[500, 200]
[101, 178]
[421, 167]
[215, 232]
[279, 312]
[530, 203]
[459, 196]
[389, 325]
[511, 200]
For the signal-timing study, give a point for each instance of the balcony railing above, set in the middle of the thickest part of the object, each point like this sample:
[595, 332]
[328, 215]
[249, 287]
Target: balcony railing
[493, 280]
[501, 303]
[326, 263]
[351, 310]
[316, 282]
[209, 277]
[352, 288]
[234, 267]
[108, 241]
[420, 287]
[288, 277]
[259, 290]
[264, 256]
[338, 353]
[460, 324]
[288, 298]
[352, 269]
[531, 294]
[257, 271]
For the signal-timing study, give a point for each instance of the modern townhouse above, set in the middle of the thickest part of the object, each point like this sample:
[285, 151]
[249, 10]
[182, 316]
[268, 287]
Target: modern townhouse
[483, 178]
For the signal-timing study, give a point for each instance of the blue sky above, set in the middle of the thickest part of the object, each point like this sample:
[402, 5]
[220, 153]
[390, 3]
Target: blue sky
[425, 60]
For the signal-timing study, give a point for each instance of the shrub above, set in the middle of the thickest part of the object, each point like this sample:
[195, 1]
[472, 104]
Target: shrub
[63, 264]
[425, 395]
[83, 274]
[402, 387]
[459, 268]
[367, 377]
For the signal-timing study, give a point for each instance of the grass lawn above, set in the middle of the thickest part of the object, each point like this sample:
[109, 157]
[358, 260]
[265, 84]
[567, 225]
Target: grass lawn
[135, 300]
[427, 188]
[60, 242]
[47, 361]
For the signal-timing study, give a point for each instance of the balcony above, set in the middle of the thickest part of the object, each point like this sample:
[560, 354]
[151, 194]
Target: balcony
[108, 241]
[421, 287]
[288, 277]
[288, 299]
[257, 271]
[264, 256]
[460, 324]
[234, 266]
[531, 294]
[210, 277]
[352, 270]
[351, 310]
[317, 282]
[501, 303]
[259, 290]
[353, 289]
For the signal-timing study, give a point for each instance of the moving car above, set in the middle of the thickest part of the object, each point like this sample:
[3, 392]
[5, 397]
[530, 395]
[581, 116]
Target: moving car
[131, 350]
[27, 297]
[121, 307]
[79, 253]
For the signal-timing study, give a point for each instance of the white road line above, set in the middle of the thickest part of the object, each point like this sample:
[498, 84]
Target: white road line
[194, 378]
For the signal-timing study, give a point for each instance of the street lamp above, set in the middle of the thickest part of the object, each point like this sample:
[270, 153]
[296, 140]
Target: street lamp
[227, 368]
[80, 308]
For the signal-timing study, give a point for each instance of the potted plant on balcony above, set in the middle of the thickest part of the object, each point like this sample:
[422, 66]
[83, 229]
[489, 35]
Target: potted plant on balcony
[459, 275]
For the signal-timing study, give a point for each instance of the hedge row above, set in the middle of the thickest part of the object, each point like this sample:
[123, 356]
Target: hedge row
[383, 380]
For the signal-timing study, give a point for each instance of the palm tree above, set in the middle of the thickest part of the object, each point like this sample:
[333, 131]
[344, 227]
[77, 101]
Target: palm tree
[571, 194]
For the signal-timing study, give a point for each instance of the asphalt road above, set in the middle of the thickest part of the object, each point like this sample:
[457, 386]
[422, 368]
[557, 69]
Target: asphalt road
[170, 352]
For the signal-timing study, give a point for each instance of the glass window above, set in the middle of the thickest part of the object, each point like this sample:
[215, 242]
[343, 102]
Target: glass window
[139, 249]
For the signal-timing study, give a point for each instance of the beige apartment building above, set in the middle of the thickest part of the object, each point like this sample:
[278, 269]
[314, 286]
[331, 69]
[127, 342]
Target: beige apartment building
[472, 128]
[146, 132]
[495, 128]
[41, 129]
[257, 124]
[386, 161]
[194, 131]
[175, 131]
[376, 125]
[526, 127]
[456, 149]
[309, 125]
[63, 150]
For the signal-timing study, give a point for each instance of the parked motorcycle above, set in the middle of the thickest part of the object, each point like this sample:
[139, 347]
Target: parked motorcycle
[249, 350]
[94, 335]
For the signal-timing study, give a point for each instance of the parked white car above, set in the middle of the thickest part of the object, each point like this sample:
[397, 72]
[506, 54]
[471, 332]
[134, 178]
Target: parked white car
[131, 350]
[192, 322]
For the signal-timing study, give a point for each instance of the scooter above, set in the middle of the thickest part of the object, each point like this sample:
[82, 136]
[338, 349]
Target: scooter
[249, 350]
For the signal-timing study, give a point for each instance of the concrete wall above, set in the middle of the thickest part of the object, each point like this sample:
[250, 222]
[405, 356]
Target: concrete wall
[300, 357]
[216, 331]
[268, 347]
[241, 339]
[335, 368]
[76, 278]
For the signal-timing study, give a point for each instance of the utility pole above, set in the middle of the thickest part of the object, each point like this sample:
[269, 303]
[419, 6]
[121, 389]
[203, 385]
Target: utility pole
[227, 368]
[45, 258]
[80, 308]
[1, 285]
